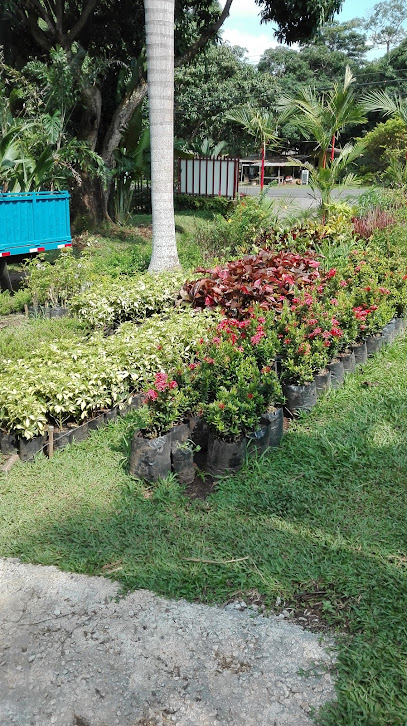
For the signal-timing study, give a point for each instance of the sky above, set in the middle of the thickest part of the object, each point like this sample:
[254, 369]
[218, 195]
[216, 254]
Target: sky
[243, 26]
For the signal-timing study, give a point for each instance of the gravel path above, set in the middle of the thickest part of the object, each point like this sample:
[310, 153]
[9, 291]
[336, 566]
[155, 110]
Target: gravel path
[72, 654]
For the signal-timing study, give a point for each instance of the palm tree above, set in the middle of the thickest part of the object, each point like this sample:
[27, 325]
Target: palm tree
[262, 125]
[382, 102]
[323, 117]
[333, 175]
[159, 15]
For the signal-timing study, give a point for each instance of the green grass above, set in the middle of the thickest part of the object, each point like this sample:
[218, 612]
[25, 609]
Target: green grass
[326, 511]
[118, 250]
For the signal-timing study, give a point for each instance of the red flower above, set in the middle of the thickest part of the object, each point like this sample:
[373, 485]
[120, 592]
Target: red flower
[343, 283]
[249, 395]
[221, 406]
[173, 385]
[161, 381]
[192, 366]
[331, 272]
[333, 301]
[151, 395]
[209, 360]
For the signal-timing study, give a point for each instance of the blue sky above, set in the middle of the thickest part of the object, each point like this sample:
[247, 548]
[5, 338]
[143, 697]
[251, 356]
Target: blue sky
[243, 25]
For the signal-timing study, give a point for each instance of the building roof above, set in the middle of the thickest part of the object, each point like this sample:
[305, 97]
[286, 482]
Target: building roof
[274, 160]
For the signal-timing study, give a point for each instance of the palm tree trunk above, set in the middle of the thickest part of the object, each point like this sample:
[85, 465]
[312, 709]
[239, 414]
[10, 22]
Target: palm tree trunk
[159, 16]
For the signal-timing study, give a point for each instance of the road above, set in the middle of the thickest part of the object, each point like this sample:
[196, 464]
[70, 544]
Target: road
[291, 199]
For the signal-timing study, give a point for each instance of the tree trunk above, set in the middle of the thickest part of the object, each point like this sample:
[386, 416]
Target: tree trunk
[88, 203]
[91, 107]
[160, 74]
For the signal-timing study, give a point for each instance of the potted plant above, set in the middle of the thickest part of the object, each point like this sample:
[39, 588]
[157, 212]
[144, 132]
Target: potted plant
[241, 396]
[156, 445]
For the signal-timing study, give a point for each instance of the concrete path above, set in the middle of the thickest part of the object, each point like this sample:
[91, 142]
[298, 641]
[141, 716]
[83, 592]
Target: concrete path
[73, 654]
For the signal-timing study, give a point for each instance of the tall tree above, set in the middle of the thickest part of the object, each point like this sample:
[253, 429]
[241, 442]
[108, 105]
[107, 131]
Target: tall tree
[206, 89]
[84, 28]
[386, 23]
[160, 74]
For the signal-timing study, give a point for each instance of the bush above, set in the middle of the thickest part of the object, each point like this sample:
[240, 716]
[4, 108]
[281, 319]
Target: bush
[14, 302]
[218, 205]
[376, 218]
[69, 380]
[56, 282]
[108, 303]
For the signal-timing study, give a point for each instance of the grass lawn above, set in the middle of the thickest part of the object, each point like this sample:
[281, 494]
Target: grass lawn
[321, 521]
[118, 250]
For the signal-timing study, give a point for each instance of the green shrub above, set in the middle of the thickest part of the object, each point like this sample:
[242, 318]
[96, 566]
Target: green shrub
[68, 380]
[218, 205]
[14, 302]
[55, 282]
[21, 340]
[108, 303]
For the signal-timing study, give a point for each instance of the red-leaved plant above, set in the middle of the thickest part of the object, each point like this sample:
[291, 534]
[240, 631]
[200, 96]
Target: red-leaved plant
[377, 218]
[266, 279]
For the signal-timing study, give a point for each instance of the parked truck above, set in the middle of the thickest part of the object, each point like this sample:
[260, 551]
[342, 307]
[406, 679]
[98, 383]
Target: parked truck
[31, 222]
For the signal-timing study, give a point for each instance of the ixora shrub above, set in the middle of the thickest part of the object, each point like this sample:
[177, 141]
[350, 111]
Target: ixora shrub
[106, 304]
[166, 405]
[238, 406]
[69, 382]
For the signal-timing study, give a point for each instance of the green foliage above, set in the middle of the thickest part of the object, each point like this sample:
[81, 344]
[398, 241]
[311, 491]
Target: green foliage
[57, 281]
[320, 117]
[218, 205]
[385, 139]
[37, 150]
[68, 380]
[13, 303]
[238, 406]
[335, 175]
[20, 341]
[166, 404]
[106, 304]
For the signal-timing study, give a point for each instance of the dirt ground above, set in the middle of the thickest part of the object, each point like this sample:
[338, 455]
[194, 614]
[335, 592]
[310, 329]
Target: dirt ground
[73, 653]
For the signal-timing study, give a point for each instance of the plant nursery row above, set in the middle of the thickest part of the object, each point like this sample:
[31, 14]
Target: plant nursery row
[241, 339]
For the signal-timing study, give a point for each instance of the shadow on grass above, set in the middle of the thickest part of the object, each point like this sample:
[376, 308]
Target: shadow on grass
[327, 507]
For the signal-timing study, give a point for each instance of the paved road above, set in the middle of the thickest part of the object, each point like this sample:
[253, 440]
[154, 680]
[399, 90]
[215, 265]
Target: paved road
[290, 199]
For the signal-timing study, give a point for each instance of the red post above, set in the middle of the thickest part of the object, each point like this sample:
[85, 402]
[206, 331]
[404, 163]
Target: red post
[263, 154]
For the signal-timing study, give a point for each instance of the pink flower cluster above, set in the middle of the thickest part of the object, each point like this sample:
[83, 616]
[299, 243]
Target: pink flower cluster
[161, 383]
